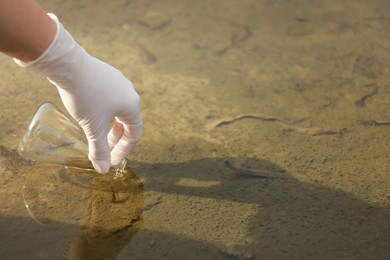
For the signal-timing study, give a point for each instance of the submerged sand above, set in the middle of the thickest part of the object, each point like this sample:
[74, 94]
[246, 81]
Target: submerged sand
[288, 67]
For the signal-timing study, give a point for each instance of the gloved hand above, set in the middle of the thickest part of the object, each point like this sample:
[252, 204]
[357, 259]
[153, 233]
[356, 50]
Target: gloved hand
[94, 93]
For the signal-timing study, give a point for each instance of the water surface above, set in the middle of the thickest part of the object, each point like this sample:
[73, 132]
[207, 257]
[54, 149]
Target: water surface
[287, 68]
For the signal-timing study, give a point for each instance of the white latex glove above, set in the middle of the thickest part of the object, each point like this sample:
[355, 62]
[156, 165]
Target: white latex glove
[94, 93]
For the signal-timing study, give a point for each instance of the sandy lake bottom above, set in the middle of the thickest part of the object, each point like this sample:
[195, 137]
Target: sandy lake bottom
[231, 91]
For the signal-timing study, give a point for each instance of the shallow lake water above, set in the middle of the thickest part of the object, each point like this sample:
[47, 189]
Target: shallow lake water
[266, 135]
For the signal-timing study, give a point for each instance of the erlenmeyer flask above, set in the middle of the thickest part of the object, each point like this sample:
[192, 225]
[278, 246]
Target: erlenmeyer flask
[56, 138]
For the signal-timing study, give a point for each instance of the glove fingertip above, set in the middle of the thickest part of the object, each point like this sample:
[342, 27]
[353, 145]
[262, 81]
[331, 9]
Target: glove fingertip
[100, 166]
[121, 150]
[117, 160]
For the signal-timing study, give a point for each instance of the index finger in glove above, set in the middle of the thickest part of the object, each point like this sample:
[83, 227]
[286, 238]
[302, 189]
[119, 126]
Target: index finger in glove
[98, 145]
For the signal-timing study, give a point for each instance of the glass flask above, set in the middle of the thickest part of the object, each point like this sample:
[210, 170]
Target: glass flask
[54, 137]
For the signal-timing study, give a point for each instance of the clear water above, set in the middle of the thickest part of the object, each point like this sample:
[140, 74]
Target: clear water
[243, 81]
